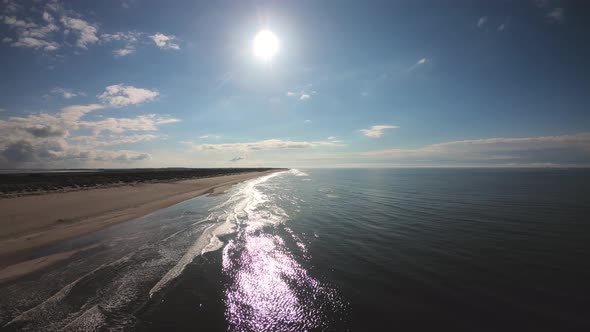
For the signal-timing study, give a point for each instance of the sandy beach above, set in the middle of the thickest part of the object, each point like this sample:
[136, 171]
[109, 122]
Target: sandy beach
[31, 222]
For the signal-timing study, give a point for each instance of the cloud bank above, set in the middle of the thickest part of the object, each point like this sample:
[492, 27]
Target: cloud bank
[70, 138]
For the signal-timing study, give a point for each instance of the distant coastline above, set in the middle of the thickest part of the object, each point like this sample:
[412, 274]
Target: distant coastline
[37, 211]
[41, 181]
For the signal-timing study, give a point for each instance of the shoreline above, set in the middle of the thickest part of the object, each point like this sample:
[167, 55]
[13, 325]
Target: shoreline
[32, 222]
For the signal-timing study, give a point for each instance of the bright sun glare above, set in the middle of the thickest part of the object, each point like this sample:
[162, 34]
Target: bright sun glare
[266, 45]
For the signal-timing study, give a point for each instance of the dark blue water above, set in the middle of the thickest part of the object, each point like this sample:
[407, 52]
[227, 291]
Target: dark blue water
[405, 249]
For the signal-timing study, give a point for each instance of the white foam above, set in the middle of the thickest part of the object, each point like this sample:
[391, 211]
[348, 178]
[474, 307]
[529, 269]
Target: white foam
[241, 205]
[297, 172]
[50, 306]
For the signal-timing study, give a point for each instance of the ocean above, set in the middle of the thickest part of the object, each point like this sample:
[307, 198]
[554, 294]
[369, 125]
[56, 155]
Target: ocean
[332, 250]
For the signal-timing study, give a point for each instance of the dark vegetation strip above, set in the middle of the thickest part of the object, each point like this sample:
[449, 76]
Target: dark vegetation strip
[16, 184]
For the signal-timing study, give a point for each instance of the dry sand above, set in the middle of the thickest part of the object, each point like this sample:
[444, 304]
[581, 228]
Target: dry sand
[31, 222]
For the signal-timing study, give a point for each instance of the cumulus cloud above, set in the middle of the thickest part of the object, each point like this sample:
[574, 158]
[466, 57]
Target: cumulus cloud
[30, 34]
[49, 27]
[45, 139]
[236, 159]
[121, 95]
[482, 21]
[270, 144]
[85, 31]
[165, 41]
[563, 149]
[376, 131]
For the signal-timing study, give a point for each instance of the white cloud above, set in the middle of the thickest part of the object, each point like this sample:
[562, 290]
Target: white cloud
[501, 27]
[165, 41]
[119, 156]
[30, 42]
[44, 140]
[376, 131]
[161, 120]
[556, 15]
[129, 39]
[86, 32]
[209, 136]
[47, 17]
[270, 144]
[482, 21]
[112, 140]
[307, 121]
[121, 95]
[236, 159]
[30, 34]
[14, 22]
[65, 93]
[418, 63]
[301, 95]
[331, 138]
[75, 112]
[545, 149]
[129, 36]
[120, 125]
[121, 52]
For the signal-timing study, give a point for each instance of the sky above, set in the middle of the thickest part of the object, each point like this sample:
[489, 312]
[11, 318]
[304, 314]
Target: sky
[138, 83]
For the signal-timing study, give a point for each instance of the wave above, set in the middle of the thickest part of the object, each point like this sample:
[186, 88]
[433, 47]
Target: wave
[297, 172]
[226, 218]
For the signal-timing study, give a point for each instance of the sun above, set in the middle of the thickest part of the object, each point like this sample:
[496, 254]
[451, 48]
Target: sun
[266, 45]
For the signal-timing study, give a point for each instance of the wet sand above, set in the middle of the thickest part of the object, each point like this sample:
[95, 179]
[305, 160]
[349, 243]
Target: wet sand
[31, 222]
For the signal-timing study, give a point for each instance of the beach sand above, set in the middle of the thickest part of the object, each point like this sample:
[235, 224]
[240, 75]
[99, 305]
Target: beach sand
[31, 222]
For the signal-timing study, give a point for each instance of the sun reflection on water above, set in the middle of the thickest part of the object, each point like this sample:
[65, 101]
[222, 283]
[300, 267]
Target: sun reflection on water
[268, 289]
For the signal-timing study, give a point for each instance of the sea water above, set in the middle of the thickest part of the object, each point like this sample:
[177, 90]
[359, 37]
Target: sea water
[338, 249]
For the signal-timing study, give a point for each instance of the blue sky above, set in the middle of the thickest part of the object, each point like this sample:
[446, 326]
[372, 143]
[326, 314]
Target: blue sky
[137, 83]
